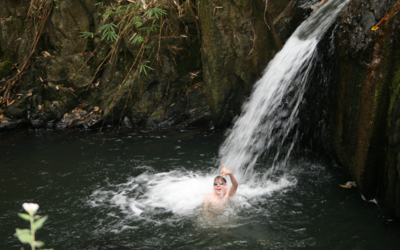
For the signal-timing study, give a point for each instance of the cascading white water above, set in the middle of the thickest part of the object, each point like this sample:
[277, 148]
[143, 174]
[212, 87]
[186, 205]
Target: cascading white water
[270, 113]
[267, 119]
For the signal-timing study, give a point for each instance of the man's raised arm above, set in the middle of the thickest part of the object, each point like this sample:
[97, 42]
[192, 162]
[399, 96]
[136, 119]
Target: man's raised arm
[235, 184]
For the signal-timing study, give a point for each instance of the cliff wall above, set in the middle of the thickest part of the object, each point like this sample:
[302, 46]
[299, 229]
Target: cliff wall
[365, 107]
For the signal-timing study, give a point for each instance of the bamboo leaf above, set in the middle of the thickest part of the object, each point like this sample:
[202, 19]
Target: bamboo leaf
[108, 31]
[149, 67]
[138, 39]
[86, 35]
[156, 12]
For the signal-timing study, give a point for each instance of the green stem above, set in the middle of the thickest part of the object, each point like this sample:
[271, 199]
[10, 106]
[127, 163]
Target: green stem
[32, 233]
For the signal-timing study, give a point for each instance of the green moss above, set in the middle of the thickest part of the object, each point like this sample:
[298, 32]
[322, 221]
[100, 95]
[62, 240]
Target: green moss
[157, 114]
[5, 68]
[94, 99]
[376, 101]
[21, 29]
[189, 14]
[394, 92]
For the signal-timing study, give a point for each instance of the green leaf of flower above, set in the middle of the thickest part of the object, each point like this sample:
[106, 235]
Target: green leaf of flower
[39, 223]
[24, 216]
[38, 243]
[24, 235]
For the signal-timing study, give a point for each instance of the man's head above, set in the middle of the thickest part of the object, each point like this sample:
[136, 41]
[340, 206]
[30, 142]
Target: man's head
[219, 179]
[220, 186]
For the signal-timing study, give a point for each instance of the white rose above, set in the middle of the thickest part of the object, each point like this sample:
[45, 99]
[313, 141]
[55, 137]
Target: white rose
[31, 208]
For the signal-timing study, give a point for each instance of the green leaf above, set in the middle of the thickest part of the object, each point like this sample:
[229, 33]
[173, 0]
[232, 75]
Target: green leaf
[145, 29]
[24, 216]
[109, 32]
[38, 243]
[86, 35]
[143, 68]
[138, 39]
[39, 223]
[155, 27]
[156, 12]
[25, 238]
[24, 235]
[18, 231]
[137, 20]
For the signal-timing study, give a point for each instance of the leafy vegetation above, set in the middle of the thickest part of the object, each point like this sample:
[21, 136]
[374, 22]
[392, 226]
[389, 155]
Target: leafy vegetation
[137, 37]
[109, 32]
[132, 21]
[120, 20]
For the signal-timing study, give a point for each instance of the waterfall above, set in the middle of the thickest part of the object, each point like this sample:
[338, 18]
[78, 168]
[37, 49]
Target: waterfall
[266, 124]
[270, 114]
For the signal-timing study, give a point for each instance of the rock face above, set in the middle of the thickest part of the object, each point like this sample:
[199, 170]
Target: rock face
[366, 115]
[68, 73]
[238, 40]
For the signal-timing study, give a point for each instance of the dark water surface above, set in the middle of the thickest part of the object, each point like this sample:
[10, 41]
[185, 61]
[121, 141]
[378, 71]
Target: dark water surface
[124, 190]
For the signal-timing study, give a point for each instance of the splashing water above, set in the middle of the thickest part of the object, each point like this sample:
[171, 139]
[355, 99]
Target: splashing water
[267, 119]
[271, 113]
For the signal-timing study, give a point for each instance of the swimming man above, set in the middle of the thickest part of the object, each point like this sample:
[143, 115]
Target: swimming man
[216, 203]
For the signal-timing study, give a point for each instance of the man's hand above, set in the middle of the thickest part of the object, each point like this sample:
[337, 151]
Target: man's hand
[235, 184]
[225, 171]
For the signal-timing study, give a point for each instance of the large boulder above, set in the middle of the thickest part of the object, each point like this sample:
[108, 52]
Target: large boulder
[366, 100]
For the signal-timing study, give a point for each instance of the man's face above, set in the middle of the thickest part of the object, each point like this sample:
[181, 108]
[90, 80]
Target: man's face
[220, 189]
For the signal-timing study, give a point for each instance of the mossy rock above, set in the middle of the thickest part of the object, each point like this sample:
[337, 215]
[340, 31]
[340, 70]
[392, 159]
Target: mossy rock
[5, 68]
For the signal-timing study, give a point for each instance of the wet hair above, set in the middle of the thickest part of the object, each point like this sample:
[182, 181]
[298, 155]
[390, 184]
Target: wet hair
[220, 177]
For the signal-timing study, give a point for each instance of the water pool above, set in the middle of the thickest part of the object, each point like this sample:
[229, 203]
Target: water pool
[125, 190]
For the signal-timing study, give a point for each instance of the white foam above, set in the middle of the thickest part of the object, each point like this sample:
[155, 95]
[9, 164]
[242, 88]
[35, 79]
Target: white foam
[180, 192]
